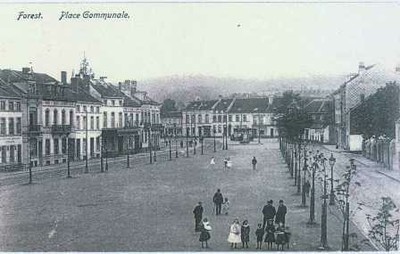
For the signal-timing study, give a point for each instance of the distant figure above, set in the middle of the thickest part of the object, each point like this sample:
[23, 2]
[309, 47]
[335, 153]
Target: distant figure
[225, 163]
[234, 234]
[212, 162]
[205, 229]
[259, 234]
[281, 213]
[225, 206]
[245, 234]
[270, 234]
[229, 163]
[254, 162]
[218, 200]
[198, 215]
[268, 212]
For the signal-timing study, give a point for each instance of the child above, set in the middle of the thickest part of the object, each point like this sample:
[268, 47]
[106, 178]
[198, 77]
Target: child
[234, 234]
[287, 236]
[280, 236]
[212, 162]
[225, 206]
[205, 235]
[225, 163]
[245, 234]
[229, 163]
[269, 236]
[259, 234]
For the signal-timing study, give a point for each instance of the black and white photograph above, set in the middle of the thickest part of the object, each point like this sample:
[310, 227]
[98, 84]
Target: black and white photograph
[199, 126]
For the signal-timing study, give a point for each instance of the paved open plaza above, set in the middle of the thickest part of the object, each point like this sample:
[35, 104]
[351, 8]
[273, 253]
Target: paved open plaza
[149, 207]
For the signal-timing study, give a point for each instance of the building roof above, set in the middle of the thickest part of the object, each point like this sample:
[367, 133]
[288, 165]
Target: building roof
[223, 105]
[319, 106]
[131, 102]
[7, 91]
[201, 105]
[12, 76]
[107, 90]
[250, 105]
[171, 114]
[83, 96]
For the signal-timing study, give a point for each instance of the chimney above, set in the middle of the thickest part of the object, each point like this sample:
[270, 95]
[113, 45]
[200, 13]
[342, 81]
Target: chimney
[120, 86]
[74, 83]
[26, 70]
[64, 77]
[133, 87]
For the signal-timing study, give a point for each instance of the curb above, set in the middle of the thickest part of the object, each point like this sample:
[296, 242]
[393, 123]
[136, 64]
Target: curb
[391, 177]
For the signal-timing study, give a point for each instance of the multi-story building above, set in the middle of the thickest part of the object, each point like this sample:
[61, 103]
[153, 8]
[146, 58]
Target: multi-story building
[253, 116]
[321, 112]
[11, 152]
[353, 92]
[172, 123]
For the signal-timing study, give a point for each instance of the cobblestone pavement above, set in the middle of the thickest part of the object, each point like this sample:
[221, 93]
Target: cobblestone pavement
[149, 207]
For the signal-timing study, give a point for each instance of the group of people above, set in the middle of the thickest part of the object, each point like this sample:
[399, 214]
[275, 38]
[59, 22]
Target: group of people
[240, 233]
[228, 162]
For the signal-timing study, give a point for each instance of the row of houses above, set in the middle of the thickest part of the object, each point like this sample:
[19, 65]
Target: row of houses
[45, 121]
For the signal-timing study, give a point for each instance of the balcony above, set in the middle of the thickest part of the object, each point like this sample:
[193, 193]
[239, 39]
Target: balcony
[60, 129]
[34, 130]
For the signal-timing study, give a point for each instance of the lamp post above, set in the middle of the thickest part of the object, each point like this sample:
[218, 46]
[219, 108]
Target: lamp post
[127, 158]
[176, 147]
[312, 199]
[170, 149]
[202, 140]
[324, 214]
[215, 148]
[101, 155]
[68, 155]
[86, 150]
[30, 160]
[332, 161]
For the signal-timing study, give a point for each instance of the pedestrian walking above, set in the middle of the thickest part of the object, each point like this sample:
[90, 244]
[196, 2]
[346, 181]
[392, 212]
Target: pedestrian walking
[205, 229]
[281, 213]
[212, 162]
[225, 206]
[269, 212]
[307, 187]
[225, 163]
[270, 234]
[198, 215]
[254, 162]
[229, 163]
[245, 234]
[260, 235]
[234, 236]
[218, 199]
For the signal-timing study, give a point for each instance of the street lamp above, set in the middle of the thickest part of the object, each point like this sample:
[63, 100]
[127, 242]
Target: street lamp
[215, 149]
[86, 150]
[332, 161]
[312, 199]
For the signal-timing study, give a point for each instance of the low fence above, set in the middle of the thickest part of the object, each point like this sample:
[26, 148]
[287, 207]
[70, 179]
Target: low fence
[380, 150]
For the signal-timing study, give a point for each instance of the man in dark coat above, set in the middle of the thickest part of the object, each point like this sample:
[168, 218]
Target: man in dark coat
[198, 216]
[281, 213]
[254, 162]
[269, 212]
[218, 200]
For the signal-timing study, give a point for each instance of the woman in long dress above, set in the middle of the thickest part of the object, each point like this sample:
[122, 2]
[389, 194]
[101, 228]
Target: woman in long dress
[234, 234]
[205, 232]
[212, 162]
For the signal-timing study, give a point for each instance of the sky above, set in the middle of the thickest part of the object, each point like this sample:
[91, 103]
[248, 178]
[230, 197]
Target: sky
[235, 40]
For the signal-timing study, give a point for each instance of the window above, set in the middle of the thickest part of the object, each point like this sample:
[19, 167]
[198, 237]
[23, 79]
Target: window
[11, 106]
[207, 118]
[2, 105]
[84, 109]
[120, 119]
[71, 118]
[3, 154]
[214, 119]
[199, 119]
[219, 119]
[78, 122]
[84, 122]
[137, 119]
[63, 117]
[47, 118]
[104, 119]
[230, 118]
[237, 118]
[113, 102]
[112, 120]
[18, 125]
[18, 106]
[120, 103]
[224, 119]
[244, 118]
[56, 146]
[97, 123]
[78, 108]
[55, 118]
[11, 126]
[3, 126]
[92, 109]
[97, 109]
[12, 154]
[219, 129]
[64, 146]
[92, 122]
[187, 118]
[47, 147]
[98, 144]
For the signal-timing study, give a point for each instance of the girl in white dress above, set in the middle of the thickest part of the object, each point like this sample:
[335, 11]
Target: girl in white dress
[234, 234]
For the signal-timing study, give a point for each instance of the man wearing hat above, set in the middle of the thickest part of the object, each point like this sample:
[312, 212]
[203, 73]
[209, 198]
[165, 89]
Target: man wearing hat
[198, 215]
[218, 199]
[268, 212]
[281, 213]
